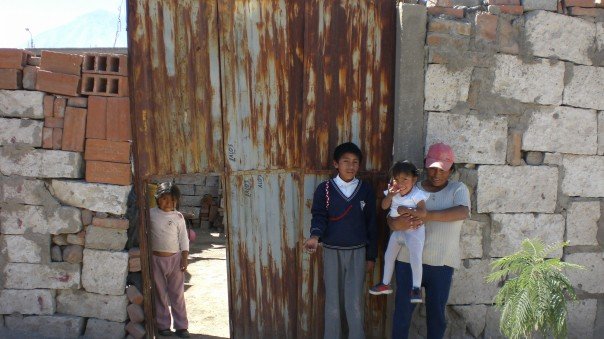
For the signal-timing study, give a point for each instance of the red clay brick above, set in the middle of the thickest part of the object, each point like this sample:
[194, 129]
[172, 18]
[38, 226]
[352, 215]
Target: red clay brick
[58, 83]
[59, 107]
[33, 60]
[108, 173]
[47, 137]
[49, 102]
[580, 11]
[104, 85]
[96, 124]
[454, 12]
[509, 9]
[102, 63]
[503, 2]
[54, 122]
[11, 79]
[136, 330]
[447, 41]
[116, 223]
[106, 150]
[134, 295]
[57, 138]
[61, 62]
[13, 58]
[30, 74]
[580, 3]
[486, 26]
[439, 3]
[135, 312]
[74, 129]
[80, 102]
[118, 119]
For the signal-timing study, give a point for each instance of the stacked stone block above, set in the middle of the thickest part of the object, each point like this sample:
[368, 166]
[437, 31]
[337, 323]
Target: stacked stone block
[516, 88]
[62, 239]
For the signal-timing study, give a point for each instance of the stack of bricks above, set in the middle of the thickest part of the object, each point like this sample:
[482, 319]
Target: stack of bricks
[136, 325]
[585, 8]
[12, 65]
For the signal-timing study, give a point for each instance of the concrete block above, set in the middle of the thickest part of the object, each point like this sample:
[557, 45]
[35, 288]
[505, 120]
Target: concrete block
[517, 189]
[136, 313]
[22, 104]
[92, 305]
[585, 87]
[116, 223]
[104, 272]
[601, 133]
[581, 318]
[475, 317]
[98, 328]
[558, 36]
[469, 285]
[552, 159]
[562, 129]
[73, 254]
[509, 230]
[55, 326]
[471, 238]
[187, 189]
[94, 197]
[18, 190]
[56, 275]
[41, 163]
[31, 248]
[491, 329]
[190, 200]
[27, 301]
[191, 210]
[582, 222]
[540, 82]
[546, 5]
[589, 279]
[483, 141]
[579, 174]
[20, 219]
[102, 238]
[21, 132]
[445, 88]
[134, 295]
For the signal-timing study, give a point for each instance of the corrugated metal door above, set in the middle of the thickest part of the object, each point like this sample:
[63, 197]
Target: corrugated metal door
[296, 78]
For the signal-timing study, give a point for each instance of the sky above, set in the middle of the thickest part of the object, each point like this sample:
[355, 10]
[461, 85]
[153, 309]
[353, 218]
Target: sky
[43, 15]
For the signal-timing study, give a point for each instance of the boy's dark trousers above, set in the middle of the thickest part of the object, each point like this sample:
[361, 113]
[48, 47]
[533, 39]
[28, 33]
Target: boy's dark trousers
[344, 278]
[437, 282]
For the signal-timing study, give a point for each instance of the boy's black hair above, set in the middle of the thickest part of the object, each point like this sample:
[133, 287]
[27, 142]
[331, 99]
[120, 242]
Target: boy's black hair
[406, 167]
[167, 188]
[347, 147]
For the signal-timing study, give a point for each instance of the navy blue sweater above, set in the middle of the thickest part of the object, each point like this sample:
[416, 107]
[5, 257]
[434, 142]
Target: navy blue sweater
[348, 223]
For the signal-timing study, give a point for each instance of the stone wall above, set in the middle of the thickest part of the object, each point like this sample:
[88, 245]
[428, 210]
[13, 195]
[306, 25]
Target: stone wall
[65, 175]
[517, 89]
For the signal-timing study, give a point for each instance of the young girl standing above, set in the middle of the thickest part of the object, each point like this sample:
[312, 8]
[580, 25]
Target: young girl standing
[404, 198]
[170, 246]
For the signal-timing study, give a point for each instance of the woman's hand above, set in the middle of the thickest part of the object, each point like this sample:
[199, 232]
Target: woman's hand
[404, 223]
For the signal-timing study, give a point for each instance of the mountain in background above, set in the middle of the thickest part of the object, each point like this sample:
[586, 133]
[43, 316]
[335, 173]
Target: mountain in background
[95, 29]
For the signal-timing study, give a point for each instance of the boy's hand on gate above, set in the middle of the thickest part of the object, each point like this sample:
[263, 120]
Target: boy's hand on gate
[311, 244]
[369, 265]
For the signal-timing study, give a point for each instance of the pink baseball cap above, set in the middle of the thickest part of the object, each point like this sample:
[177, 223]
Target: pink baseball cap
[440, 156]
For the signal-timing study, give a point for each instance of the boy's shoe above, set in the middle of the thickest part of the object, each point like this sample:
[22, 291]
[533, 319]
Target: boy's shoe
[165, 333]
[416, 295]
[183, 333]
[380, 289]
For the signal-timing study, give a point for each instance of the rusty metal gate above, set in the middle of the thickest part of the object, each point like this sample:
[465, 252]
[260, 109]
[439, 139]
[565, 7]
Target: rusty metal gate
[261, 92]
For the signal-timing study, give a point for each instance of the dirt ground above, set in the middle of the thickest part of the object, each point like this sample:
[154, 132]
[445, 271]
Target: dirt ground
[206, 289]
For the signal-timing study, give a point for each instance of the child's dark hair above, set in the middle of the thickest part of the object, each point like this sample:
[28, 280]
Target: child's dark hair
[347, 147]
[405, 167]
[167, 188]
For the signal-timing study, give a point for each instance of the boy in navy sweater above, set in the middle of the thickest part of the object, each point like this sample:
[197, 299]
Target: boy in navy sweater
[343, 220]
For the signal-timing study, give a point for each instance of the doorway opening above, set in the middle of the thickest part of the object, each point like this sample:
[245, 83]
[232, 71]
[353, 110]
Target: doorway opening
[202, 203]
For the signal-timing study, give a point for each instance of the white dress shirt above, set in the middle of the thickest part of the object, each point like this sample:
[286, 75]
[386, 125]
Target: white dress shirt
[347, 188]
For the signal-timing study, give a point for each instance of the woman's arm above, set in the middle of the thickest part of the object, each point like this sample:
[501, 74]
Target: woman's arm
[450, 214]
[403, 223]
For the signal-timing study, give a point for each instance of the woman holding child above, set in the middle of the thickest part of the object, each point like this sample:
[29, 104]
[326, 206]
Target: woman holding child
[447, 206]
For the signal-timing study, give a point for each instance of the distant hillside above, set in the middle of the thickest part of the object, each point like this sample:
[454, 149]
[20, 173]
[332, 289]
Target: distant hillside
[95, 29]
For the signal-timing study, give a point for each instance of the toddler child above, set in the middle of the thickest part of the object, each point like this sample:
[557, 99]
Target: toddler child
[170, 246]
[404, 197]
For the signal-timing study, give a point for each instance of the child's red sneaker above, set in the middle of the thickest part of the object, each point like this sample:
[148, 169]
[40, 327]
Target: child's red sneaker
[380, 289]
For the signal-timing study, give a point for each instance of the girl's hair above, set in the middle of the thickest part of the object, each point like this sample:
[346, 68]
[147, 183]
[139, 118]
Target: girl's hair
[167, 188]
[405, 167]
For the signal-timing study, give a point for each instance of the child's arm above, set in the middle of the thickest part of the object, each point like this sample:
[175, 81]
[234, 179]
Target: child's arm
[183, 242]
[320, 217]
[418, 212]
[392, 191]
